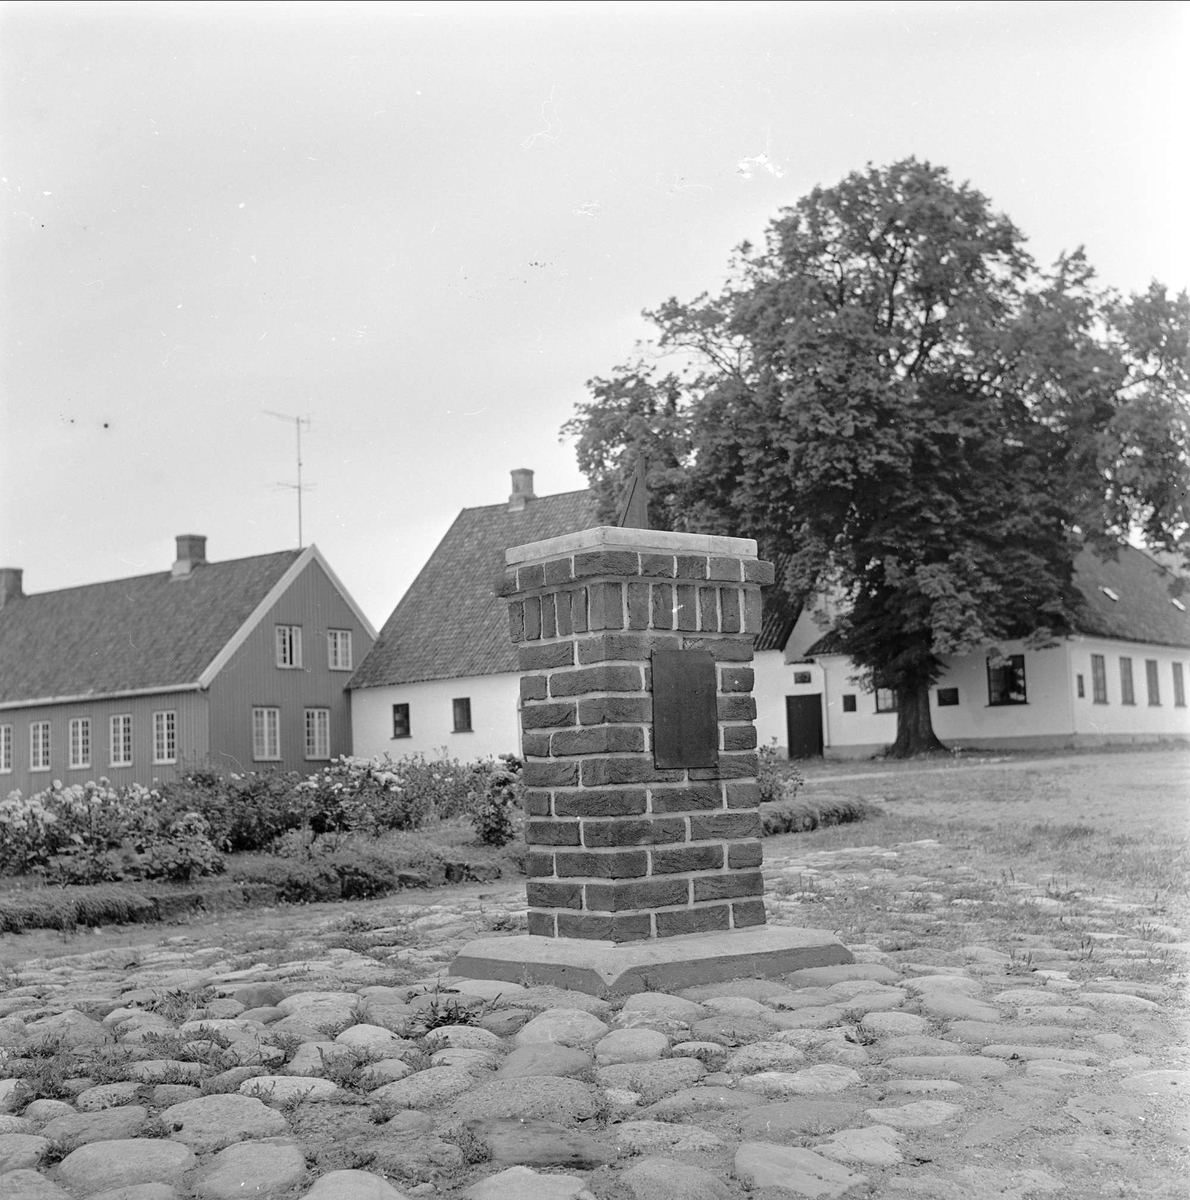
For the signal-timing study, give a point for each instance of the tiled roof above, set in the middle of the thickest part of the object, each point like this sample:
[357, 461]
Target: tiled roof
[1143, 611]
[780, 612]
[145, 632]
[450, 623]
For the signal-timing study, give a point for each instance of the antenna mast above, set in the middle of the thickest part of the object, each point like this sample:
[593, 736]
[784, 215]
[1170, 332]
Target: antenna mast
[298, 487]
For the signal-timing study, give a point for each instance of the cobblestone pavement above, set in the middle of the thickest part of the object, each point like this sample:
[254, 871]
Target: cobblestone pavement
[180, 1069]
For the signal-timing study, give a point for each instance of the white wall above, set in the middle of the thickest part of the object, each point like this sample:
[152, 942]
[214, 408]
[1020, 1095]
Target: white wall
[494, 718]
[852, 734]
[775, 681]
[1114, 718]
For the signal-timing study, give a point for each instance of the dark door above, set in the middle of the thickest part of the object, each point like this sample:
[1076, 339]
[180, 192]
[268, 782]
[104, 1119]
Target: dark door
[803, 720]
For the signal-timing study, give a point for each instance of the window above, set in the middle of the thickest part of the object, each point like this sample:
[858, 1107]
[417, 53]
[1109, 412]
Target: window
[289, 646]
[318, 732]
[462, 714]
[266, 734]
[1179, 686]
[6, 745]
[886, 700]
[1127, 696]
[1154, 687]
[338, 649]
[120, 730]
[165, 737]
[849, 702]
[948, 697]
[1006, 680]
[1099, 678]
[400, 720]
[801, 677]
[39, 746]
[80, 743]
[1080, 686]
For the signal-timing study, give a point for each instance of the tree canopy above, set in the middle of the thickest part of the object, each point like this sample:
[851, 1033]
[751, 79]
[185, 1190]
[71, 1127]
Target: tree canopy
[895, 400]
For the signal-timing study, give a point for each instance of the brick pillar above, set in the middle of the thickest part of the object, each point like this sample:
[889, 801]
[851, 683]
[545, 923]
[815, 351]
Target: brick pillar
[621, 849]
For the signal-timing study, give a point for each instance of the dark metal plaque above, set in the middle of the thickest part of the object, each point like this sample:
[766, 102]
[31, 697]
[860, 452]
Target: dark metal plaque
[685, 719]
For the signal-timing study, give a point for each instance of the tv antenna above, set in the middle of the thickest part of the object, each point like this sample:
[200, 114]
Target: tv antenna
[298, 487]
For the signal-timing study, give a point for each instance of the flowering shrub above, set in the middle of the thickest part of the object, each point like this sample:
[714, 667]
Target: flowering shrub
[778, 779]
[84, 820]
[245, 811]
[494, 805]
[182, 852]
[95, 832]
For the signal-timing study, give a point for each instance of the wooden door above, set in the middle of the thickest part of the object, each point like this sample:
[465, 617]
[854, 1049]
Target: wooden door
[803, 720]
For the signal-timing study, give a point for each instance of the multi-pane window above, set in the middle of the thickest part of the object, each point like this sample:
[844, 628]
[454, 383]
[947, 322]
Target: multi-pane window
[289, 645]
[165, 736]
[462, 714]
[80, 742]
[1127, 696]
[6, 747]
[266, 734]
[1098, 679]
[318, 733]
[1154, 688]
[400, 720]
[886, 700]
[39, 746]
[1179, 686]
[338, 649]
[120, 736]
[1006, 680]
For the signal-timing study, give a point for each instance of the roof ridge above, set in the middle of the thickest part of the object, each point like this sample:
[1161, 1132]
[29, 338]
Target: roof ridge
[223, 562]
[536, 500]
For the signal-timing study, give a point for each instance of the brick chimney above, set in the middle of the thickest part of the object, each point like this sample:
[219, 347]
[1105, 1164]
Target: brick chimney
[192, 552]
[522, 489]
[10, 585]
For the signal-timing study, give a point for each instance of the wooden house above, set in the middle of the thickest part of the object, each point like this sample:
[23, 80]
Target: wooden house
[238, 665]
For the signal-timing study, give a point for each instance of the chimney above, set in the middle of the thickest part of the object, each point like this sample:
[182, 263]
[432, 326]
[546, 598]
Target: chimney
[522, 490]
[192, 552]
[10, 585]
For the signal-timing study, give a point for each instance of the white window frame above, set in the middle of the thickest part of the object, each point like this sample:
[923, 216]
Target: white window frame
[288, 645]
[5, 749]
[165, 737]
[318, 734]
[338, 649]
[119, 740]
[39, 741]
[79, 743]
[266, 733]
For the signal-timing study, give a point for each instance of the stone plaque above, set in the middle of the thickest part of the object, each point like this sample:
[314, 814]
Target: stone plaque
[685, 717]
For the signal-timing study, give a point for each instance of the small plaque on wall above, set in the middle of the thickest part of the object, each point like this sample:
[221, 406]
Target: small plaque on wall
[685, 715]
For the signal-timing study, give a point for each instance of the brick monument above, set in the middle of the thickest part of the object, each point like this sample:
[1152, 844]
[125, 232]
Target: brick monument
[640, 766]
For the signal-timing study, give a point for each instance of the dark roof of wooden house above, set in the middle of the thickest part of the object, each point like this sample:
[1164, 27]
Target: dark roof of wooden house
[147, 632]
[450, 623]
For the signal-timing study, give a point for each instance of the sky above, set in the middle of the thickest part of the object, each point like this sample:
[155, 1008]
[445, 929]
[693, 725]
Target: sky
[424, 226]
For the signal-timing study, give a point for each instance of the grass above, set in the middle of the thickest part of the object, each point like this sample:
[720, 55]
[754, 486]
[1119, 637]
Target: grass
[1028, 855]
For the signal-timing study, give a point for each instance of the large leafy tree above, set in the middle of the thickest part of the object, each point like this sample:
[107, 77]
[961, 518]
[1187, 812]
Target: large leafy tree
[892, 397]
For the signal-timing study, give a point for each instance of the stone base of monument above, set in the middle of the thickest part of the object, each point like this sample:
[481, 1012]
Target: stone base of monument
[663, 965]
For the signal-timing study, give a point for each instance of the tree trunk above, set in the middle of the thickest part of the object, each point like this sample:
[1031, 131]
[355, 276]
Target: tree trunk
[915, 730]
